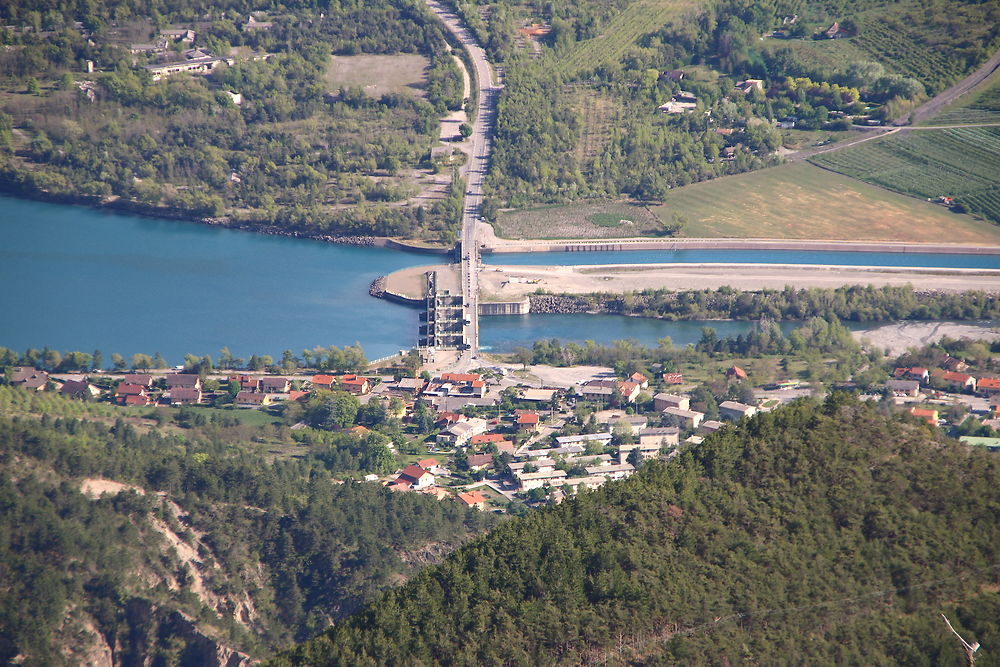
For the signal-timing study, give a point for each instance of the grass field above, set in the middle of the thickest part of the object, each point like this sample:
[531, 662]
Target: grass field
[963, 163]
[621, 33]
[979, 105]
[580, 220]
[598, 113]
[801, 201]
[378, 75]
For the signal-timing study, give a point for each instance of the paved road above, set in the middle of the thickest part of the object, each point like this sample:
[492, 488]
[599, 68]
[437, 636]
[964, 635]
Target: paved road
[475, 176]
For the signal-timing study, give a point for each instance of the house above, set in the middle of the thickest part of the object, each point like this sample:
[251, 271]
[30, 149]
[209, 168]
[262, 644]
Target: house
[538, 395]
[461, 378]
[835, 31]
[685, 97]
[917, 373]
[928, 415]
[735, 411]
[596, 392]
[959, 381]
[480, 461]
[430, 465]
[673, 107]
[411, 385]
[354, 384]
[527, 421]
[252, 399]
[673, 378]
[185, 35]
[29, 377]
[250, 383]
[903, 387]
[659, 437]
[140, 399]
[662, 401]
[711, 425]
[473, 499]
[506, 447]
[460, 433]
[736, 373]
[635, 422]
[628, 391]
[750, 84]
[988, 386]
[673, 75]
[414, 477]
[437, 492]
[182, 380]
[323, 381]
[683, 418]
[950, 363]
[640, 380]
[253, 24]
[185, 395]
[275, 385]
[144, 380]
[297, 394]
[126, 388]
[79, 389]
[487, 438]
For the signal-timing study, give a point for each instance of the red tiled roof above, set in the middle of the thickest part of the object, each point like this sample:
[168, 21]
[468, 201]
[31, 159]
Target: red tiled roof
[989, 383]
[527, 418]
[413, 472]
[296, 394]
[326, 380]
[427, 463]
[460, 377]
[487, 437]
[472, 498]
[957, 377]
[128, 389]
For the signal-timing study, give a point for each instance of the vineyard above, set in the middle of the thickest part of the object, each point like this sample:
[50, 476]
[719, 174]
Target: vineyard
[982, 105]
[963, 163]
[621, 34]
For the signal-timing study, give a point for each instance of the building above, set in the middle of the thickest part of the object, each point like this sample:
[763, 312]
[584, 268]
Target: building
[928, 415]
[988, 386]
[430, 465]
[182, 380]
[28, 377]
[480, 461]
[413, 477]
[615, 471]
[458, 434]
[673, 75]
[79, 389]
[538, 395]
[354, 384]
[673, 378]
[539, 465]
[959, 381]
[736, 411]
[252, 399]
[275, 385]
[473, 499]
[204, 65]
[736, 373]
[659, 437]
[535, 480]
[596, 393]
[903, 387]
[487, 438]
[603, 439]
[918, 373]
[711, 425]
[662, 401]
[640, 380]
[683, 418]
[646, 452]
[411, 385]
[185, 395]
[746, 87]
[323, 381]
[527, 421]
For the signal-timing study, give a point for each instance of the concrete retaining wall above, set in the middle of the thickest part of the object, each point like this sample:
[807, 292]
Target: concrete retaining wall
[738, 244]
[522, 307]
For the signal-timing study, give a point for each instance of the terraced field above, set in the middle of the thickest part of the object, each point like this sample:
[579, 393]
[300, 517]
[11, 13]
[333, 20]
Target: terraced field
[621, 33]
[963, 163]
[598, 113]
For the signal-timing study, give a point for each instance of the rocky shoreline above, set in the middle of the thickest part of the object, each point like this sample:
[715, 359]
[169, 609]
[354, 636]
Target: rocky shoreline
[377, 288]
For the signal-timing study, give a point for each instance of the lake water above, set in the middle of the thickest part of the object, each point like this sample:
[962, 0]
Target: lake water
[80, 279]
[748, 256]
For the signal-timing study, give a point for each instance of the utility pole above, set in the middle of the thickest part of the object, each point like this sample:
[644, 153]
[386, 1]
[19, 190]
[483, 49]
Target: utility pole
[970, 649]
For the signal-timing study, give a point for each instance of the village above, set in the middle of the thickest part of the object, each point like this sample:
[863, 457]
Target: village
[492, 441]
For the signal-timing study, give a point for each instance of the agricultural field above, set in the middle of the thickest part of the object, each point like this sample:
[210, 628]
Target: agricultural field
[979, 105]
[598, 114]
[598, 219]
[378, 75]
[828, 56]
[963, 163]
[802, 201]
[621, 34]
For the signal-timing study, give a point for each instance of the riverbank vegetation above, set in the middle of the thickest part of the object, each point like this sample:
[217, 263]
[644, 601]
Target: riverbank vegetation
[199, 520]
[259, 141]
[855, 303]
[830, 520]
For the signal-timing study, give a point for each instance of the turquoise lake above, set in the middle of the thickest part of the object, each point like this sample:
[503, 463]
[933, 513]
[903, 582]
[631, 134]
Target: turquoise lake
[82, 279]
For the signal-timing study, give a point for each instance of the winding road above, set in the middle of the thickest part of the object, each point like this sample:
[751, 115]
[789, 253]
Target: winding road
[475, 176]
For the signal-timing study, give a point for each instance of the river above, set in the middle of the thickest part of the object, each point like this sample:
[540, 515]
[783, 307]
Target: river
[82, 279]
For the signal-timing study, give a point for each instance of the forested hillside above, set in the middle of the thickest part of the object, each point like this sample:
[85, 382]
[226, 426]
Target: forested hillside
[817, 534]
[202, 546]
[581, 115]
[264, 139]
